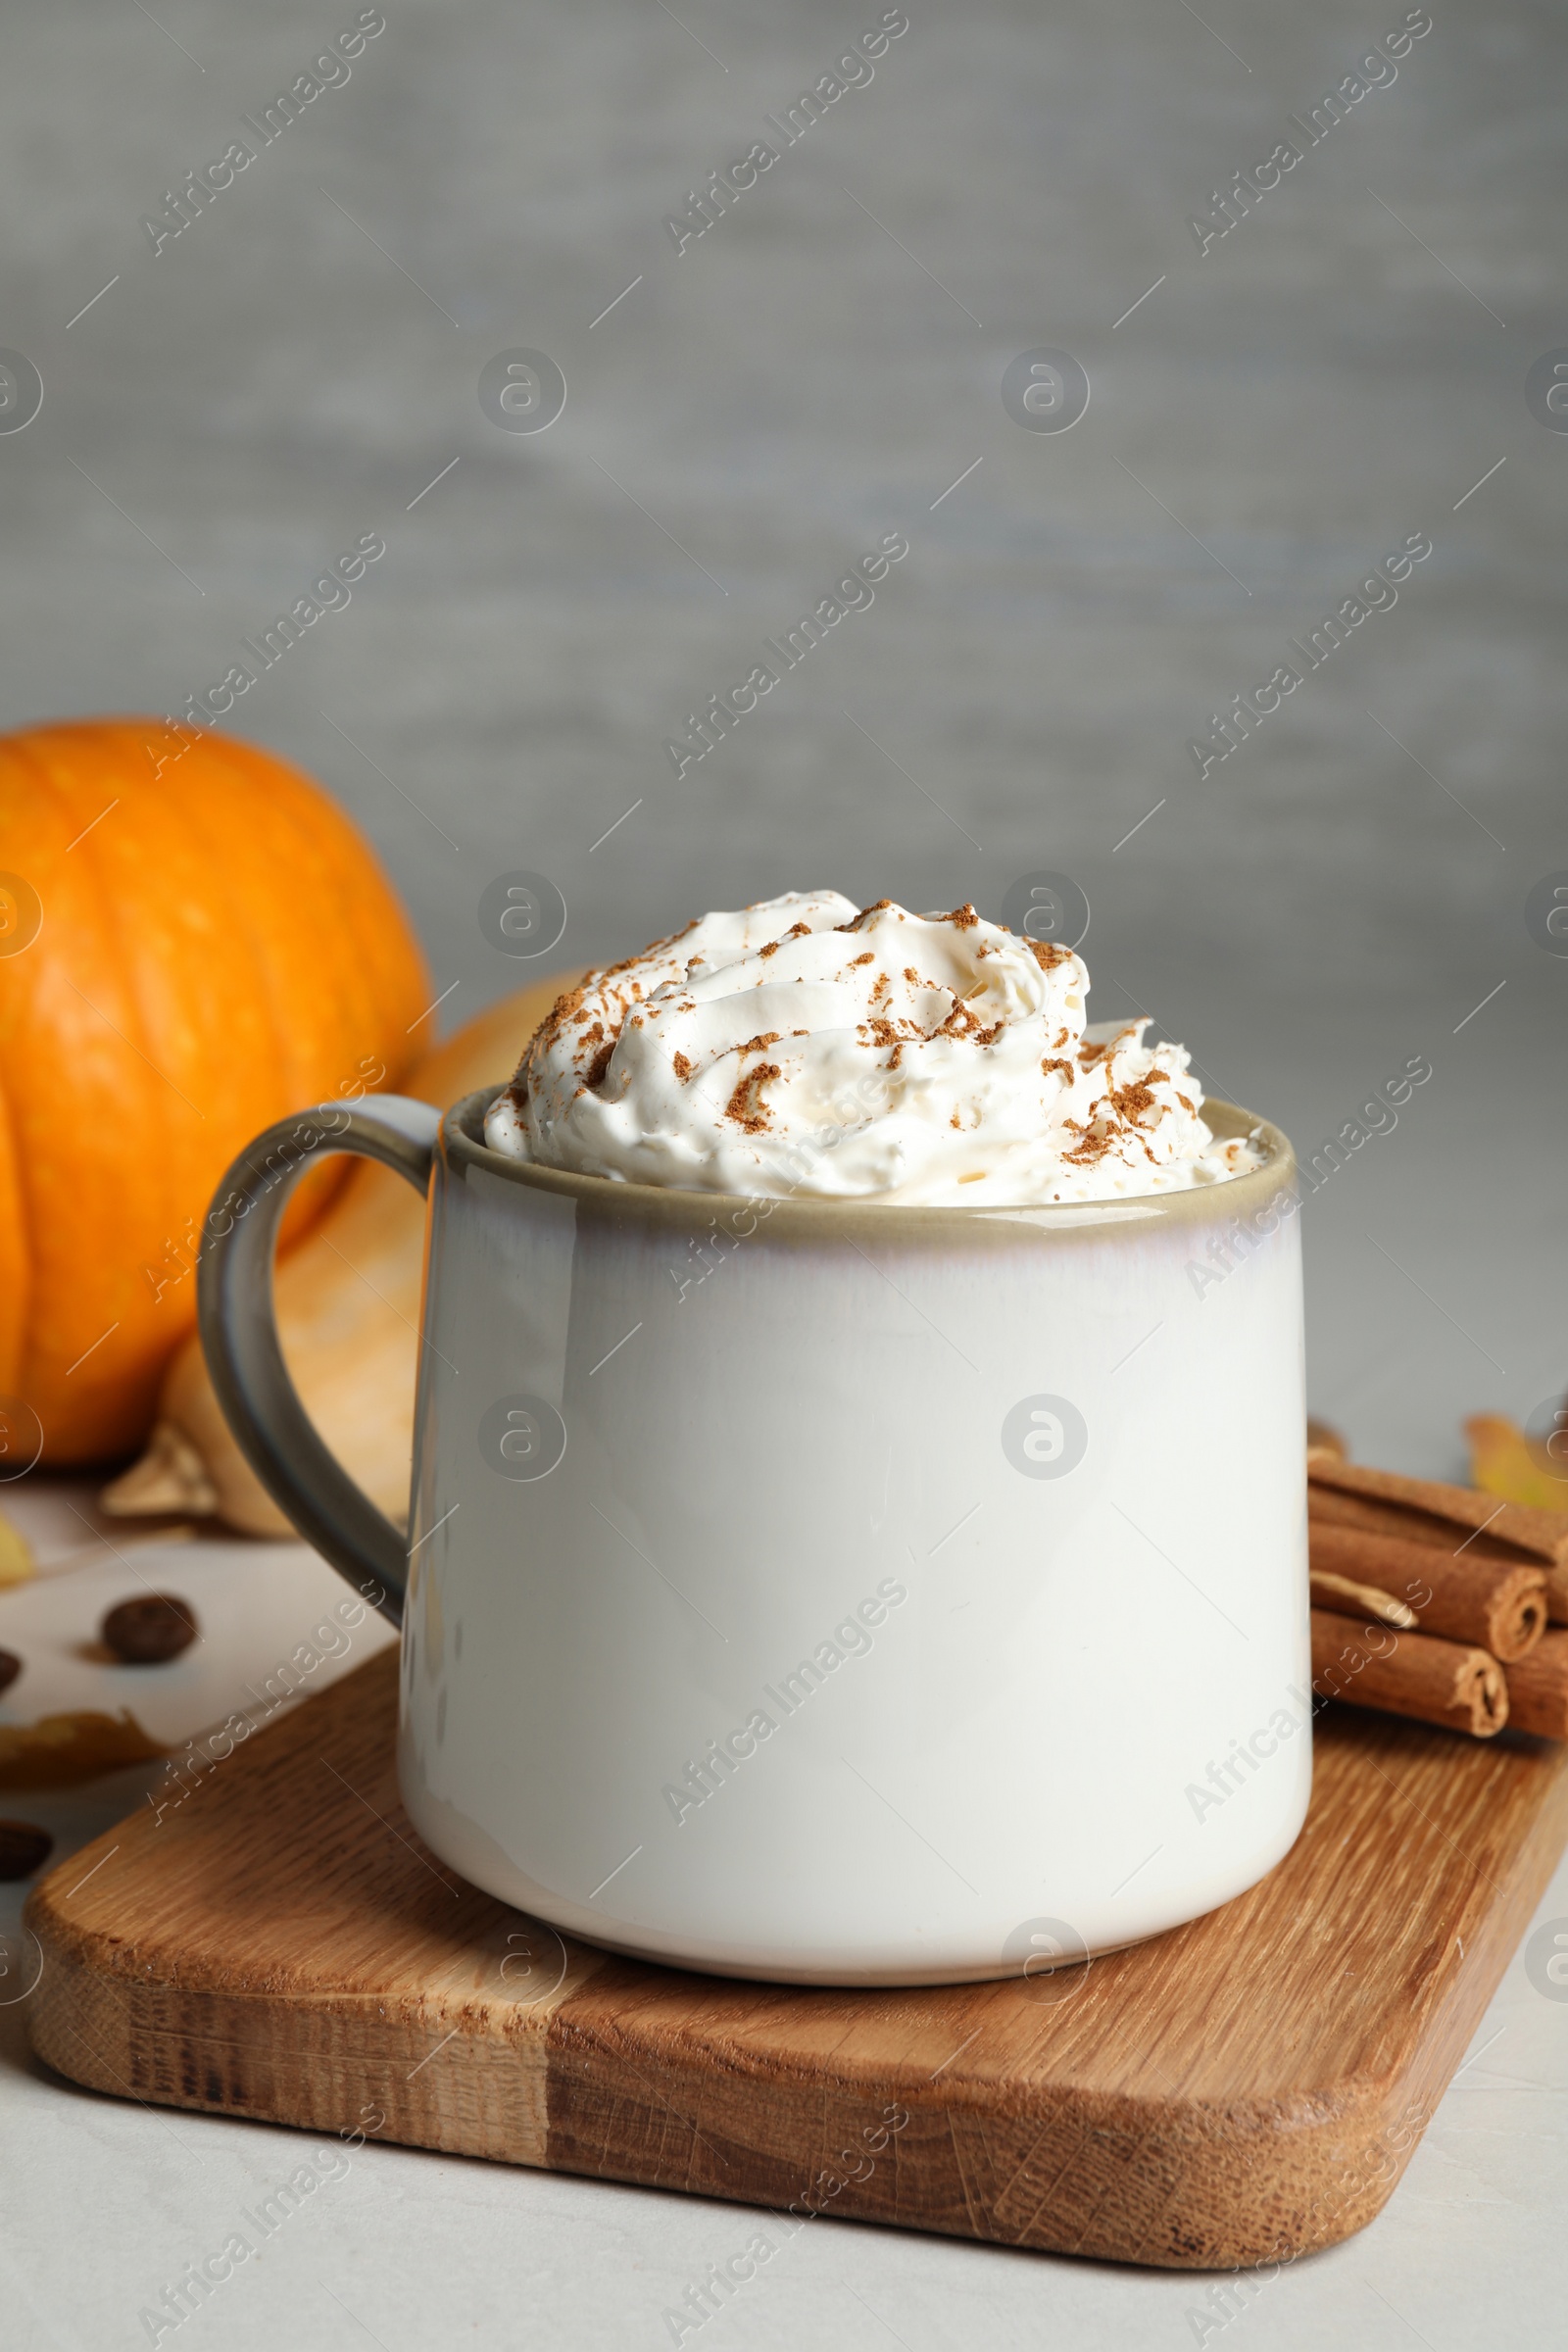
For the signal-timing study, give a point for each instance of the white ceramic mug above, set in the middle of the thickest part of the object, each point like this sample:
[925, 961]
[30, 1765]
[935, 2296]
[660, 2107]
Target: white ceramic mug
[817, 1590]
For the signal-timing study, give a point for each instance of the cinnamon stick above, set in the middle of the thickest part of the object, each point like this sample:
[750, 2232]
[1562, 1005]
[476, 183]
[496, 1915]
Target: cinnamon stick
[1322, 1438]
[1462, 1521]
[1538, 1689]
[1498, 1605]
[1346, 1598]
[1416, 1674]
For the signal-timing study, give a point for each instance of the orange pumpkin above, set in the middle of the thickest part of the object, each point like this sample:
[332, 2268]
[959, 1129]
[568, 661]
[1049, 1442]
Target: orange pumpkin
[194, 941]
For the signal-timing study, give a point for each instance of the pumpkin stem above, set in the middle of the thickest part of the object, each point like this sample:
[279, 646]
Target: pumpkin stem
[170, 1476]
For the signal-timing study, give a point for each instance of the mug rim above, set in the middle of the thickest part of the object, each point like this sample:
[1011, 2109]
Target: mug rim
[463, 1148]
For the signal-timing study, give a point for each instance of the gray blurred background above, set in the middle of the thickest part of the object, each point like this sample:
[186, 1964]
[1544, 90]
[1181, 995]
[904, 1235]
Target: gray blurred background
[1331, 377]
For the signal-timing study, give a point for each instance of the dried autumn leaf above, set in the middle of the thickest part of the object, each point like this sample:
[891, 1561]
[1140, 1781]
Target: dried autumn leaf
[1504, 1461]
[60, 1752]
[16, 1555]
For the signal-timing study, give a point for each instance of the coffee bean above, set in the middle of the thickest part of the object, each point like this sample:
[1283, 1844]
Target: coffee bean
[148, 1631]
[22, 1846]
[9, 1668]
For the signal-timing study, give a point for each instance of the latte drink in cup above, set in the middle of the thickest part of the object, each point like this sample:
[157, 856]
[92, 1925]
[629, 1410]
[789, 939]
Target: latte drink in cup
[858, 1528]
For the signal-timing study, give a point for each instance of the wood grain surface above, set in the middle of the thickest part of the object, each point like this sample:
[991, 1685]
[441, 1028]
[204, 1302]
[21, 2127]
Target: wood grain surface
[1241, 2091]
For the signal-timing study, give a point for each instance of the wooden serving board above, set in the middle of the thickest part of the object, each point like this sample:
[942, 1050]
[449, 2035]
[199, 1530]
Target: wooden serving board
[1238, 2091]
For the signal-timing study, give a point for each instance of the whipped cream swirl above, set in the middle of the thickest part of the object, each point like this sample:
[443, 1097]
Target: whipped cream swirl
[802, 1046]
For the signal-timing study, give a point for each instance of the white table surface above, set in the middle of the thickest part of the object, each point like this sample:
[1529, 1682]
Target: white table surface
[108, 2200]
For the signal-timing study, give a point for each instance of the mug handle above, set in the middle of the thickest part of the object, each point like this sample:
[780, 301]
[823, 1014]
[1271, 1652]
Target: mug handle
[237, 1322]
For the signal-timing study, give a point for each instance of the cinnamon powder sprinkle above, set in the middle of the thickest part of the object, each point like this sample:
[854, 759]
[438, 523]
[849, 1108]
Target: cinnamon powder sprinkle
[1090, 1152]
[1135, 1099]
[560, 1012]
[746, 1106]
[877, 907]
[961, 1022]
[683, 1067]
